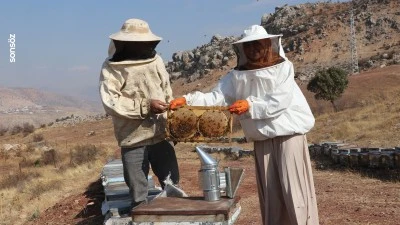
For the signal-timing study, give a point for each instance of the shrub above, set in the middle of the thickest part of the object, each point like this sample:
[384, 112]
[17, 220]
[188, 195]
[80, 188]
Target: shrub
[16, 129]
[37, 137]
[84, 153]
[3, 130]
[329, 84]
[27, 129]
[49, 157]
[35, 215]
[4, 155]
[30, 148]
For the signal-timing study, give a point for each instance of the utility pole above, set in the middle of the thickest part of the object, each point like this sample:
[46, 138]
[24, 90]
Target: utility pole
[353, 45]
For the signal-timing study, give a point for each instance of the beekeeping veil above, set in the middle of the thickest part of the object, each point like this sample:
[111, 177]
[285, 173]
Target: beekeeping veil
[134, 41]
[273, 52]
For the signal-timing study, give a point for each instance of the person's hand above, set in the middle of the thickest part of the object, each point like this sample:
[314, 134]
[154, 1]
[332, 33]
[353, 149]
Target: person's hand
[157, 106]
[175, 103]
[239, 107]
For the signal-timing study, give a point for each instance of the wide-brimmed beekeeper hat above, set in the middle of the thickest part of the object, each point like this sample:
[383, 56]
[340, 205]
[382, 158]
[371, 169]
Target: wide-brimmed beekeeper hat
[135, 30]
[256, 32]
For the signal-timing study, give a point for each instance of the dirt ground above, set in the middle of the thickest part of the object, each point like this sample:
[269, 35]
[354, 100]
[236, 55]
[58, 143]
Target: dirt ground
[344, 197]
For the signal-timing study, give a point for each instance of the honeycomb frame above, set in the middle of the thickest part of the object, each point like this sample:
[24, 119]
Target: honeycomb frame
[198, 135]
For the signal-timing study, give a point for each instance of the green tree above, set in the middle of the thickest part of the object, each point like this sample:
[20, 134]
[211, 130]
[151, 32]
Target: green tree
[329, 84]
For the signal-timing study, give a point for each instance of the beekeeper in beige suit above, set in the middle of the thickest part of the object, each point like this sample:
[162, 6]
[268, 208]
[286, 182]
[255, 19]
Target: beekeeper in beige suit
[274, 114]
[135, 90]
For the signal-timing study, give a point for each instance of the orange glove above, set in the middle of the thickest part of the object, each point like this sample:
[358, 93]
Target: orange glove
[239, 107]
[175, 103]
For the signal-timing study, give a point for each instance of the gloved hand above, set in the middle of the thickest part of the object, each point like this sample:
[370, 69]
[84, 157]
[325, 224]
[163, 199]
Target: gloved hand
[175, 103]
[239, 107]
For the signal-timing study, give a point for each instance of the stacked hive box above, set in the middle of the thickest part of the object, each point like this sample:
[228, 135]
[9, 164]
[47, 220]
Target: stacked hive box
[117, 200]
[357, 157]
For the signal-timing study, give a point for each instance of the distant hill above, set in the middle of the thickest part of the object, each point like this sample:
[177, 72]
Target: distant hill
[19, 105]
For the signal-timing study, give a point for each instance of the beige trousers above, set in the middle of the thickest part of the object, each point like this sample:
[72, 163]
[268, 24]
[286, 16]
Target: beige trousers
[285, 182]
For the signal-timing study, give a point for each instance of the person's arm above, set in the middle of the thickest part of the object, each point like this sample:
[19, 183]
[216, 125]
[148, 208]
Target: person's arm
[276, 101]
[114, 102]
[222, 95]
[165, 82]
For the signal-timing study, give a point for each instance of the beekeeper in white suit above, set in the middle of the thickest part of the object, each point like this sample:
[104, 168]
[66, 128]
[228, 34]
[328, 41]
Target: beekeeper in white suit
[274, 114]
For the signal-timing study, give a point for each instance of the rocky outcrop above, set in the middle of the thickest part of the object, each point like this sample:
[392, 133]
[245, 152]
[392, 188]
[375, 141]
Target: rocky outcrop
[196, 63]
[281, 21]
[73, 120]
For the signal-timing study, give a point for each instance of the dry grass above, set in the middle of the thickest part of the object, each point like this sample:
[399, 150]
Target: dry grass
[370, 126]
[45, 190]
[50, 183]
[370, 111]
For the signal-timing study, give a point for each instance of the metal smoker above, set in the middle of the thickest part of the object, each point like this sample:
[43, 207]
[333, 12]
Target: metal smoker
[209, 176]
[214, 182]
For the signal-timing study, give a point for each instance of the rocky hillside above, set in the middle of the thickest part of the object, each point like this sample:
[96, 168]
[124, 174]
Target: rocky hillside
[19, 105]
[14, 99]
[196, 63]
[315, 35]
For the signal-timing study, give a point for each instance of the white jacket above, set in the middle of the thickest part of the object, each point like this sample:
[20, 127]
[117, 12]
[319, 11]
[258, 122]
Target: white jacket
[126, 88]
[277, 105]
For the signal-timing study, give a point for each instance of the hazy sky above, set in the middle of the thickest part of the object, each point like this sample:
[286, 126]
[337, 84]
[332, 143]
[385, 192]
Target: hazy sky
[60, 45]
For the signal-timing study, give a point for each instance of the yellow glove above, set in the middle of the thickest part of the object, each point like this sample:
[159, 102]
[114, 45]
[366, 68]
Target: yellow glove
[175, 103]
[239, 107]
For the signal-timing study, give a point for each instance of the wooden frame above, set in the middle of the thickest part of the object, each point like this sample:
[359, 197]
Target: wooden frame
[198, 137]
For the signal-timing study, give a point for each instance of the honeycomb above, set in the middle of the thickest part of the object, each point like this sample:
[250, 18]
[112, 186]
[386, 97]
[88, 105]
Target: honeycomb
[182, 123]
[213, 123]
[199, 124]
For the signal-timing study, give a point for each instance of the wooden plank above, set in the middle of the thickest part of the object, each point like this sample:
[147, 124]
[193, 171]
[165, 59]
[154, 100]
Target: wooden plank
[178, 218]
[191, 209]
[205, 107]
[186, 206]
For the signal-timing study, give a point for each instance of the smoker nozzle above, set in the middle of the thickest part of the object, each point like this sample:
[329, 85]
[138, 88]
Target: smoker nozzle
[206, 160]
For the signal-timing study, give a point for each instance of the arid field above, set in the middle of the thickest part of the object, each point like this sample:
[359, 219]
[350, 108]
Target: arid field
[62, 185]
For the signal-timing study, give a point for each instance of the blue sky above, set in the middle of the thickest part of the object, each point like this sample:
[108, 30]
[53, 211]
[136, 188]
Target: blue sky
[60, 45]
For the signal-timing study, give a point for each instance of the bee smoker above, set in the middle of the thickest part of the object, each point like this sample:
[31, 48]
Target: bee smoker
[209, 176]
[214, 182]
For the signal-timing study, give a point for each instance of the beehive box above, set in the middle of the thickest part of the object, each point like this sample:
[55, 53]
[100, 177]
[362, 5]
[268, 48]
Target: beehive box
[397, 158]
[199, 124]
[363, 157]
[353, 157]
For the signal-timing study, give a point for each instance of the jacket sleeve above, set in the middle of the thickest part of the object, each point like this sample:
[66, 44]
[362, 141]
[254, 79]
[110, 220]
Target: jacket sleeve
[165, 82]
[115, 104]
[221, 95]
[276, 101]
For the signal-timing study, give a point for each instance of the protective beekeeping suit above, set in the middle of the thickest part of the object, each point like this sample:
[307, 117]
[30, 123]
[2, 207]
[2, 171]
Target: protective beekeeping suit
[135, 90]
[274, 114]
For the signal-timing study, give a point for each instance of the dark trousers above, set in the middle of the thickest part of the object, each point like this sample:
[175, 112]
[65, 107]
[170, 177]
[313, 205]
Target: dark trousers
[136, 161]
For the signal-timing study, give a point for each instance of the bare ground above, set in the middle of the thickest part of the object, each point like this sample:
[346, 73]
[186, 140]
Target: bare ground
[344, 197]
